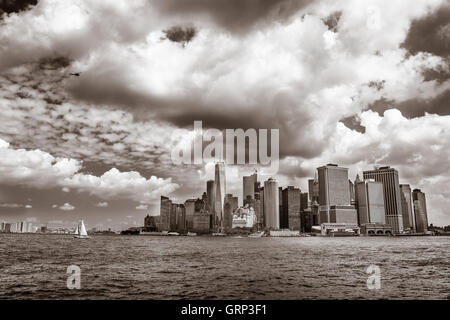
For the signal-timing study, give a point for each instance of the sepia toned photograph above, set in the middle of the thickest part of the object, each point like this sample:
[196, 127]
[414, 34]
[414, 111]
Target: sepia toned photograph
[202, 151]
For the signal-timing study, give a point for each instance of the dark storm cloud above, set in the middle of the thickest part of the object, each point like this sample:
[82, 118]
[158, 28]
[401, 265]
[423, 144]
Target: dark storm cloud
[10, 6]
[234, 15]
[430, 34]
[416, 107]
[182, 112]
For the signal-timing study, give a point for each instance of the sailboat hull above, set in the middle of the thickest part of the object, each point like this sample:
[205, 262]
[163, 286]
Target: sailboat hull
[82, 237]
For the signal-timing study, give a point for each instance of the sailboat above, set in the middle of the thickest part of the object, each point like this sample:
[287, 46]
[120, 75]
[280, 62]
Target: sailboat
[80, 231]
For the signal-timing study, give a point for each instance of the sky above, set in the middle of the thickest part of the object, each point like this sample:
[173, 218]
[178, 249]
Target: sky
[94, 96]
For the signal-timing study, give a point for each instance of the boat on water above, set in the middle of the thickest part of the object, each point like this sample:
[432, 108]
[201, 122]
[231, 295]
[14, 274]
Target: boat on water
[173, 234]
[191, 234]
[218, 234]
[257, 234]
[238, 237]
[80, 231]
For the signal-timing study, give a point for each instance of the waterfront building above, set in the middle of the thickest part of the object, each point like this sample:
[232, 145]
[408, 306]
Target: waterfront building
[271, 204]
[334, 195]
[202, 221]
[330, 229]
[220, 183]
[370, 202]
[173, 217]
[391, 191]
[291, 208]
[244, 217]
[420, 210]
[189, 209]
[372, 229]
[165, 209]
[180, 215]
[409, 221]
[151, 223]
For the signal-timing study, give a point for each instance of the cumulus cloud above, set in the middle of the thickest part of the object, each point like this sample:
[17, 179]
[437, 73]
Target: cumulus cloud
[33, 167]
[11, 205]
[67, 207]
[142, 207]
[102, 204]
[40, 169]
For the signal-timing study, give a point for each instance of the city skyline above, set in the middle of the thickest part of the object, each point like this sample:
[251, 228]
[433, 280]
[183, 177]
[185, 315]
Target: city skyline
[89, 110]
[219, 171]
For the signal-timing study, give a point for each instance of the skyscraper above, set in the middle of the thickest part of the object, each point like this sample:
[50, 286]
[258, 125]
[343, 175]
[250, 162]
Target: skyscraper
[220, 193]
[189, 207]
[248, 186]
[230, 204]
[271, 204]
[420, 210]
[313, 189]
[370, 202]
[291, 207]
[391, 190]
[165, 209]
[211, 195]
[334, 196]
[409, 221]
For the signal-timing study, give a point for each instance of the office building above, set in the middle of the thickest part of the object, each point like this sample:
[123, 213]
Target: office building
[409, 221]
[165, 209]
[189, 209]
[391, 192]
[370, 202]
[248, 186]
[334, 196]
[271, 204]
[420, 210]
[290, 208]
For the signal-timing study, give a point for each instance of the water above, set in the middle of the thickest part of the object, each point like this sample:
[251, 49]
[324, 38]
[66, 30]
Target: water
[151, 267]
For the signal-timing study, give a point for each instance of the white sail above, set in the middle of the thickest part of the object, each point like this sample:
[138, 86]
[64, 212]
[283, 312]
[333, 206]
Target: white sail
[83, 231]
[77, 230]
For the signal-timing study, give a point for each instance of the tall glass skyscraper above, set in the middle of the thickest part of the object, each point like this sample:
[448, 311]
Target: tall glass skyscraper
[392, 197]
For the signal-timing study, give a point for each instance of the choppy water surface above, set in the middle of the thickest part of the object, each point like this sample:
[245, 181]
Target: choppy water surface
[151, 267]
